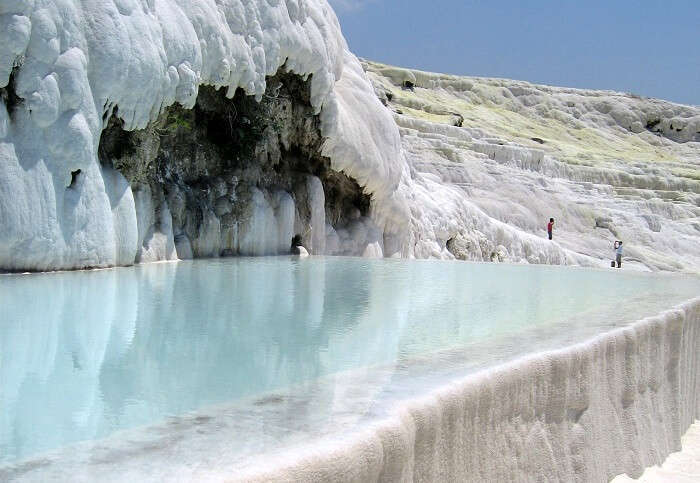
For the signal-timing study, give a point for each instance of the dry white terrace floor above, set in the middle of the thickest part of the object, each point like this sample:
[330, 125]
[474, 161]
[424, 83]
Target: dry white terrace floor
[681, 467]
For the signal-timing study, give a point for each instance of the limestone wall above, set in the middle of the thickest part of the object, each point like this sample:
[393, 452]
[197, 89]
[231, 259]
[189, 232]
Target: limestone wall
[612, 405]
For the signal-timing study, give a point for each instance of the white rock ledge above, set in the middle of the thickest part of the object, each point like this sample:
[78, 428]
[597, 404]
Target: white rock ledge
[615, 404]
[680, 467]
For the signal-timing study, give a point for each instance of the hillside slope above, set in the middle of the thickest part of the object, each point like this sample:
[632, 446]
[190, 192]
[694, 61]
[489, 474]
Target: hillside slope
[134, 132]
[605, 165]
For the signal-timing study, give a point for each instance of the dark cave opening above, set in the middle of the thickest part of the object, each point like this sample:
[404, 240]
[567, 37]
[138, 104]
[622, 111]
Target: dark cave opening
[74, 176]
[210, 157]
[115, 142]
[8, 94]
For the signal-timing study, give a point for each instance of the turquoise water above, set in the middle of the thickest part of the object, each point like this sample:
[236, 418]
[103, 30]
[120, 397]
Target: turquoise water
[87, 355]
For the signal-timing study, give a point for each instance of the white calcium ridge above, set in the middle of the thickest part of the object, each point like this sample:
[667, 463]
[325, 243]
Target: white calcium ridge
[617, 403]
[492, 160]
[680, 467]
[82, 60]
[481, 192]
[613, 404]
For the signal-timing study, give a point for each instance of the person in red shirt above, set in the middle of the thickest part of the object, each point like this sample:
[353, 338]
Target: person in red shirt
[550, 227]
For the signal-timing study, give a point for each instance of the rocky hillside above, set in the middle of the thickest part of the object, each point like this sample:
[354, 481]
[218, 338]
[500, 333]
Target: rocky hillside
[606, 165]
[143, 131]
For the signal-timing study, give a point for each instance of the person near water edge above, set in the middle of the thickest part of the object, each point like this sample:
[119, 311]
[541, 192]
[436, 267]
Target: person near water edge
[618, 253]
[550, 227]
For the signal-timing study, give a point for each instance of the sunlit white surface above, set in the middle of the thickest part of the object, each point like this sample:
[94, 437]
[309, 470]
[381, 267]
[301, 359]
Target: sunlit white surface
[680, 467]
[232, 358]
[624, 165]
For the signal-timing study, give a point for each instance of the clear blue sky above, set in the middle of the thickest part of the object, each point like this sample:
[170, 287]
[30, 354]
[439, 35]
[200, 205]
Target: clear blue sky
[650, 48]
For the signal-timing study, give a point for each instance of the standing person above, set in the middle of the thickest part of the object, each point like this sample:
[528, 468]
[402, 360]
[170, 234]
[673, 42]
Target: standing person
[297, 248]
[550, 227]
[618, 253]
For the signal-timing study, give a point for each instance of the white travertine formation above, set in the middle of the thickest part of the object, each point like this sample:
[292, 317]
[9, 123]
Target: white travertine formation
[613, 404]
[680, 467]
[605, 165]
[621, 400]
[493, 159]
[77, 62]
[469, 168]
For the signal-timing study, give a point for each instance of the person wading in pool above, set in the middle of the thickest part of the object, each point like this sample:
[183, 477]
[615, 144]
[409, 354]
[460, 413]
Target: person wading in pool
[297, 248]
[550, 227]
[618, 253]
